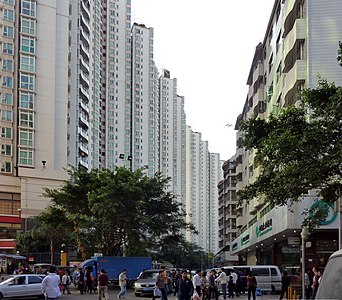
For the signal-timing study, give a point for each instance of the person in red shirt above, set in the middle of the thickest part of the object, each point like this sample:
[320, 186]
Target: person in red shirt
[102, 286]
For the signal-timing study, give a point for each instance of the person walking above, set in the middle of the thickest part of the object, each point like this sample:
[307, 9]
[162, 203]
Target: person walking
[89, 282]
[184, 287]
[197, 283]
[213, 292]
[231, 287]
[285, 283]
[50, 285]
[102, 285]
[205, 285]
[315, 283]
[251, 285]
[161, 283]
[66, 280]
[122, 284]
[80, 281]
[307, 282]
[222, 280]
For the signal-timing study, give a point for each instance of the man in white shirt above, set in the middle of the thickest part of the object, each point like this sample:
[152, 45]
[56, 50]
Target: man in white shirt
[222, 279]
[235, 278]
[50, 285]
[196, 280]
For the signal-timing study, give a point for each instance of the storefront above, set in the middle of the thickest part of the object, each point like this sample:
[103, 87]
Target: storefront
[275, 238]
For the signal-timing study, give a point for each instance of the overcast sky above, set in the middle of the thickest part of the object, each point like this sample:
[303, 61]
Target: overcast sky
[208, 46]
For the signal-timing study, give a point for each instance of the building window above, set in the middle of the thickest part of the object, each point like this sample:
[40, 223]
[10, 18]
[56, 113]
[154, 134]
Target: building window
[8, 15]
[28, 45]
[26, 99]
[7, 81]
[8, 31]
[25, 138]
[7, 65]
[6, 115]
[6, 150]
[8, 1]
[27, 82]
[26, 119]
[6, 166]
[7, 98]
[28, 26]
[27, 63]
[7, 48]
[6, 132]
[28, 8]
[26, 157]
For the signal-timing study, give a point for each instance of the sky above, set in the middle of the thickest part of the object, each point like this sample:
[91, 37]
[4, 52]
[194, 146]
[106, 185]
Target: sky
[209, 47]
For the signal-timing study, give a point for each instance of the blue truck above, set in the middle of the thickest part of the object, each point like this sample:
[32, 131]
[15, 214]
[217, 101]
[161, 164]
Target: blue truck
[113, 265]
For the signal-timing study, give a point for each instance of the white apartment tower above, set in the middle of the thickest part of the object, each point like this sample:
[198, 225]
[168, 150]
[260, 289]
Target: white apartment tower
[33, 106]
[172, 137]
[145, 104]
[203, 174]
[99, 118]
[215, 176]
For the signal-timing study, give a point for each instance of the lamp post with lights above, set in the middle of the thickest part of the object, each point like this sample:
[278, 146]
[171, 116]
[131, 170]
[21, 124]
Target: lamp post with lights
[304, 234]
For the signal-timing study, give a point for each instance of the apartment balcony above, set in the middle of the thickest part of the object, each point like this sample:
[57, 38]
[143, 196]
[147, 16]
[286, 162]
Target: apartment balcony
[85, 107]
[298, 32]
[84, 78]
[83, 148]
[83, 133]
[84, 65]
[84, 94]
[291, 8]
[85, 51]
[85, 25]
[258, 71]
[85, 38]
[84, 162]
[84, 121]
[297, 73]
[239, 168]
[85, 10]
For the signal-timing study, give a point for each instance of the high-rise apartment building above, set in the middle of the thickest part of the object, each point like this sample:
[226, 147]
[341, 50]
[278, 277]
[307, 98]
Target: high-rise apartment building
[227, 213]
[145, 101]
[203, 176]
[33, 106]
[301, 42]
[172, 141]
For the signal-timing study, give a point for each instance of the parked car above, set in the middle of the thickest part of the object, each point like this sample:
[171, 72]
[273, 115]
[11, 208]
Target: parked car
[41, 268]
[147, 281]
[22, 285]
[330, 286]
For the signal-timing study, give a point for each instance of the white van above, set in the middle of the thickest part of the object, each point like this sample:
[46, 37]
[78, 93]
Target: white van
[330, 286]
[268, 277]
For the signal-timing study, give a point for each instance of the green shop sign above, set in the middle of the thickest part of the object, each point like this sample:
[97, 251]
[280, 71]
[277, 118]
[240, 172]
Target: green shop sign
[326, 210]
[264, 227]
[245, 240]
[234, 247]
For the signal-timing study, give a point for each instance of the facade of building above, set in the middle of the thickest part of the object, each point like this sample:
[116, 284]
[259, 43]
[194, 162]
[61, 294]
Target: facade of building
[33, 107]
[172, 125]
[227, 213]
[301, 42]
[203, 171]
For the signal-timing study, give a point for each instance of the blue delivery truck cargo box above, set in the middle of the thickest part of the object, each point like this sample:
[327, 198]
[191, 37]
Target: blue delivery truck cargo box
[113, 265]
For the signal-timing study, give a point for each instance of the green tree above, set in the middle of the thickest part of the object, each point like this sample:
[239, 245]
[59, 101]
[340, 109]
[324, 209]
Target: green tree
[119, 211]
[298, 151]
[51, 230]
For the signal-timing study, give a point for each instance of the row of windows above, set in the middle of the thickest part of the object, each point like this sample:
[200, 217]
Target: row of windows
[27, 82]
[28, 45]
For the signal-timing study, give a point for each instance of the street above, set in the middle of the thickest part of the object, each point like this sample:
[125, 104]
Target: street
[130, 296]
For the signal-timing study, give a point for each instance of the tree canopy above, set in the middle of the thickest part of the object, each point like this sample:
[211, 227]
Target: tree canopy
[300, 149]
[117, 211]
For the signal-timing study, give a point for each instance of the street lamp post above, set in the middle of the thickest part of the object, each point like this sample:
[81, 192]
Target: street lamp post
[304, 234]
